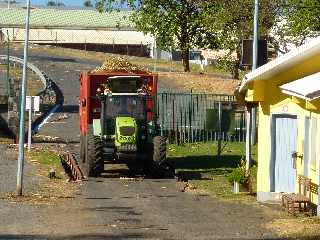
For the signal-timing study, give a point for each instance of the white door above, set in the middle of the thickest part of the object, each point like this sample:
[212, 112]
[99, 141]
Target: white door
[284, 143]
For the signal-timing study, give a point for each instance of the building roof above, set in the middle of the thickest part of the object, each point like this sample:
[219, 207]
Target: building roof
[307, 88]
[66, 19]
[282, 63]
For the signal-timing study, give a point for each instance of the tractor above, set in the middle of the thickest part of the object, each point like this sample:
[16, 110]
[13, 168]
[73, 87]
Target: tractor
[118, 119]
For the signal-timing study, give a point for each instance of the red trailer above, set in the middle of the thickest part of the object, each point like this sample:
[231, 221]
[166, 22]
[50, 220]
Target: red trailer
[118, 116]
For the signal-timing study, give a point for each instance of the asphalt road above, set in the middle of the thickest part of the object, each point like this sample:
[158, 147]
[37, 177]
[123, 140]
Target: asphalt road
[120, 208]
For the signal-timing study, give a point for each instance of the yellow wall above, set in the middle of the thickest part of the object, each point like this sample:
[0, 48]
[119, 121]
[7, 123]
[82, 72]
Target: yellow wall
[271, 101]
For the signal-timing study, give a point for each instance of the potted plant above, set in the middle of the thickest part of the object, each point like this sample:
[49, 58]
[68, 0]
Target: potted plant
[237, 178]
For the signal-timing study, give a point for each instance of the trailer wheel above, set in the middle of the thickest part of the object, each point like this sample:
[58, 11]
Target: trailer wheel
[158, 166]
[94, 155]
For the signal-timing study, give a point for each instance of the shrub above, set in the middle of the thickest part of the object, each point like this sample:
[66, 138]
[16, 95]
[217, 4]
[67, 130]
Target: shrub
[237, 175]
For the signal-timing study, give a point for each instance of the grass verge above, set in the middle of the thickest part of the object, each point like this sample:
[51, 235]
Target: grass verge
[199, 161]
[47, 160]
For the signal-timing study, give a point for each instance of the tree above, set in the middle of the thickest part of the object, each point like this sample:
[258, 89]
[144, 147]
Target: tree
[176, 24]
[52, 3]
[88, 3]
[298, 21]
[232, 20]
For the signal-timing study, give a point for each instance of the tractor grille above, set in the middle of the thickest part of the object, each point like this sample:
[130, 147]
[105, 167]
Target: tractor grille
[127, 131]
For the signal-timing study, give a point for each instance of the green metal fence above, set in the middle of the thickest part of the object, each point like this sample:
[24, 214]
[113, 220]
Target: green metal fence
[192, 117]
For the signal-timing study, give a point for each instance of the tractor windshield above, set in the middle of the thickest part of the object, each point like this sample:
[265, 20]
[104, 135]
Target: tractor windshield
[126, 105]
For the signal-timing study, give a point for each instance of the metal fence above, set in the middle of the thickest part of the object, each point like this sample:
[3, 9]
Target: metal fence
[192, 117]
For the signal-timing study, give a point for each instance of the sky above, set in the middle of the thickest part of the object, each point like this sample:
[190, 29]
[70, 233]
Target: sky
[66, 2]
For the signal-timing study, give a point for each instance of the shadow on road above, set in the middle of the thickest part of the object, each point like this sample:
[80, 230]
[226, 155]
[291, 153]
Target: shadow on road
[52, 59]
[70, 109]
[76, 237]
[113, 236]
[192, 167]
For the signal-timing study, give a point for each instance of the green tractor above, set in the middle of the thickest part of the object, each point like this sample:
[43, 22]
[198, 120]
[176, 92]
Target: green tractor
[118, 121]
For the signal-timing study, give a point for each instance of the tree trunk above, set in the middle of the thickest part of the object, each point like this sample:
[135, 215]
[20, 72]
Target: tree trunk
[185, 60]
[235, 72]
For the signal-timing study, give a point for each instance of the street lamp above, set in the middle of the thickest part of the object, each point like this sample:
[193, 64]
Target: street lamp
[23, 104]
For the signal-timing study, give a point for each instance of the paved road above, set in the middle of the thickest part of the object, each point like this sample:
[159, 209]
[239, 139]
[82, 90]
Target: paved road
[119, 208]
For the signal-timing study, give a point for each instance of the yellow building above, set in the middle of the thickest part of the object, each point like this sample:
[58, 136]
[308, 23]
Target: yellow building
[287, 93]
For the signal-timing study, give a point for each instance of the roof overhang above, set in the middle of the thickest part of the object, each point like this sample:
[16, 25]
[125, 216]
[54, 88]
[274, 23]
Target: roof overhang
[282, 63]
[307, 88]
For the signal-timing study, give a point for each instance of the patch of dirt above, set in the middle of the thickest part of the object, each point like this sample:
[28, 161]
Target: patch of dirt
[296, 227]
[47, 191]
[201, 83]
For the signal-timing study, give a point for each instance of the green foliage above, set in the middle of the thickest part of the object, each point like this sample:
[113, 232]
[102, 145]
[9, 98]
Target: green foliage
[232, 20]
[176, 24]
[227, 63]
[87, 3]
[52, 3]
[48, 160]
[238, 174]
[45, 157]
[299, 20]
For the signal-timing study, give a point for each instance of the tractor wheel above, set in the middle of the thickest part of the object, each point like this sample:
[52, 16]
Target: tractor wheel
[158, 166]
[159, 150]
[94, 155]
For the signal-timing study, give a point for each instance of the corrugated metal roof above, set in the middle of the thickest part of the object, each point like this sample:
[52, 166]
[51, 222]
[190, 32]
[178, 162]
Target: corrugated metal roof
[66, 19]
[307, 88]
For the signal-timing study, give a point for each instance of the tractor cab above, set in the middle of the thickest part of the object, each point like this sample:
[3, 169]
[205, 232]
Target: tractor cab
[125, 116]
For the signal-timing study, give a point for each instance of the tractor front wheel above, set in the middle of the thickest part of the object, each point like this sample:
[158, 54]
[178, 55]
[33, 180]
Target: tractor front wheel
[158, 166]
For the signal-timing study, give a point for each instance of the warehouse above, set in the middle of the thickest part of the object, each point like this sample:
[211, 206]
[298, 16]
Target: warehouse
[85, 29]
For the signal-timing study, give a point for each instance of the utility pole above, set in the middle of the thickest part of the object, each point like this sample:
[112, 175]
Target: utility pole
[255, 35]
[255, 65]
[9, 4]
[8, 63]
[23, 105]
[251, 111]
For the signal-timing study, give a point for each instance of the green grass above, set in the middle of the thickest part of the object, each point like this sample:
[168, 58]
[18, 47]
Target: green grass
[47, 159]
[207, 172]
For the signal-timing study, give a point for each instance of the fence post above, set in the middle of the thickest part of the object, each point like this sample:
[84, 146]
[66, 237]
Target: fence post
[248, 138]
[220, 129]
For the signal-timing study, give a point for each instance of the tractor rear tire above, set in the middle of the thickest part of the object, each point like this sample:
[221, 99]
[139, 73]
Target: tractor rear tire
[158, 166]
[94, 155]
[159, 150]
